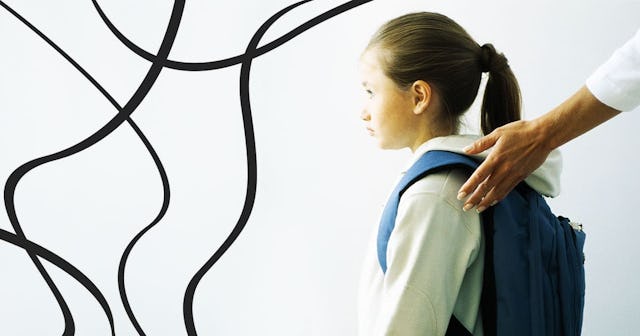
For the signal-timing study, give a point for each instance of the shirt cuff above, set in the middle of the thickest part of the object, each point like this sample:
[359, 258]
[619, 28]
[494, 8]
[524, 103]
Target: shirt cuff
[616, 83]
[609, 93]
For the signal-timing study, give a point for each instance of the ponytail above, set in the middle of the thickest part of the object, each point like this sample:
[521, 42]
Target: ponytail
[501, 103]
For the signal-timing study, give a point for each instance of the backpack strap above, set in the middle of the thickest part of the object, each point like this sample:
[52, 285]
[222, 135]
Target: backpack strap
[429, 163]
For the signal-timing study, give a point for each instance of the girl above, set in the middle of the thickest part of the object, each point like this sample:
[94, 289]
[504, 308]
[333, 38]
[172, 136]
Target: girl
[422, 71]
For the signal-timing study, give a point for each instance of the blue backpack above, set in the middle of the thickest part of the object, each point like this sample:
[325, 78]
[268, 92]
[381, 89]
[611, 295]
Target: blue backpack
[534, 262]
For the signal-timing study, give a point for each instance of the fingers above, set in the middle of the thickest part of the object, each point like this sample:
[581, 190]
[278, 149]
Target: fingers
[482, 186]
[493, 189]
[483, 143]
[479, 196]
[496, 194]
[478, 177]
[485, 169]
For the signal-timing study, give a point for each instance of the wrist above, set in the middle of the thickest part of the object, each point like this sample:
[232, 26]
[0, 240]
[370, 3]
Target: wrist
[546, 132]
[568, 120]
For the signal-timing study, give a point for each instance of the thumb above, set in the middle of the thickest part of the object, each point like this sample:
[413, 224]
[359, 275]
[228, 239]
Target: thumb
[482, 144]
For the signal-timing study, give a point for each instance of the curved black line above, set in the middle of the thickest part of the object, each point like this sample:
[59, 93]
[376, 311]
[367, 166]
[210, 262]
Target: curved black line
[245, 59]
[114, 123]
[54, 259]
[150, 149]
[219, 64]
[61, 52]
[125, 255]
[250, 146]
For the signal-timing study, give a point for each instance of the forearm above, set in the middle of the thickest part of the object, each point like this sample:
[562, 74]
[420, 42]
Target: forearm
[574, 117]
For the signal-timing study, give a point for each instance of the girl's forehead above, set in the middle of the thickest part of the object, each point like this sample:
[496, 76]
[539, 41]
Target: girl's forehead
[369, 63]
[371, 56]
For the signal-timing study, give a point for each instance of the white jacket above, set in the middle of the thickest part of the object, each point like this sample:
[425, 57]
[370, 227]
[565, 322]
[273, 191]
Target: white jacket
[435, 255]
[616, 83]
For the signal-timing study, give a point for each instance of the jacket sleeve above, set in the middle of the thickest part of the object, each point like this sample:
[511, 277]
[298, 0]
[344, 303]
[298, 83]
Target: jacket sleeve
[432, 245]
[616, 83]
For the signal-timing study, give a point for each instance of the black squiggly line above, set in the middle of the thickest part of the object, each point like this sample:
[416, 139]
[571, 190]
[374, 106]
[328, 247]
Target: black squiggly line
[59, 262]
[61, 52]
[191, 67]
[127, 110]
[152, 152]
[252, 171]
[188, 301]
[219, 64]
[134, 241]
[250, 53]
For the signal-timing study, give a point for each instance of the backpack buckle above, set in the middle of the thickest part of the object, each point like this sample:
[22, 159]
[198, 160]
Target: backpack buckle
[576, 226]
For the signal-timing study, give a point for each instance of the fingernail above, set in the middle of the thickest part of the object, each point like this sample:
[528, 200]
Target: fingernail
[467, 207]
[468, 148]
[480, 209]
[494, 202]
[462, 195]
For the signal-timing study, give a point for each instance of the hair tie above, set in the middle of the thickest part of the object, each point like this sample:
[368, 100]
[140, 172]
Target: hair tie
[490, 60]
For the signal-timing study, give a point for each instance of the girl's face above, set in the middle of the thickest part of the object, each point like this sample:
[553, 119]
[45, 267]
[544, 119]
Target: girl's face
[389, 110]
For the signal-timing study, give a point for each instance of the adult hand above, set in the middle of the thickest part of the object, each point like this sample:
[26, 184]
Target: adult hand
[520, 148]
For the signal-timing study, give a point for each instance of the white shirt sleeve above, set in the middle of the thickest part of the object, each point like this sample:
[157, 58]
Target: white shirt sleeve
[616, 83]
[429, 252]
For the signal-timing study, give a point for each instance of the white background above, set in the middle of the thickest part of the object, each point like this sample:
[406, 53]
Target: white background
[321, 181]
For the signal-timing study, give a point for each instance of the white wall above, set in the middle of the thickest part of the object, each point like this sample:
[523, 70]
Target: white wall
[321, 181]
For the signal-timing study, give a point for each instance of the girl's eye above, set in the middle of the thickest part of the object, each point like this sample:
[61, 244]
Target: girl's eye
[369, 93]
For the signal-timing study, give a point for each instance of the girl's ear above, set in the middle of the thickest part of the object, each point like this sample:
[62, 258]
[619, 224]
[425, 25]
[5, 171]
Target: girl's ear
[422, 96]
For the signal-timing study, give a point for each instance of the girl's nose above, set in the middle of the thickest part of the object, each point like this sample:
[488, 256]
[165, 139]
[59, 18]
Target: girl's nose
[364, 115]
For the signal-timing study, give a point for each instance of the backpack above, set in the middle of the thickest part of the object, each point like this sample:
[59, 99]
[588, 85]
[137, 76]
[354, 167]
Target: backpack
[534, 262]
